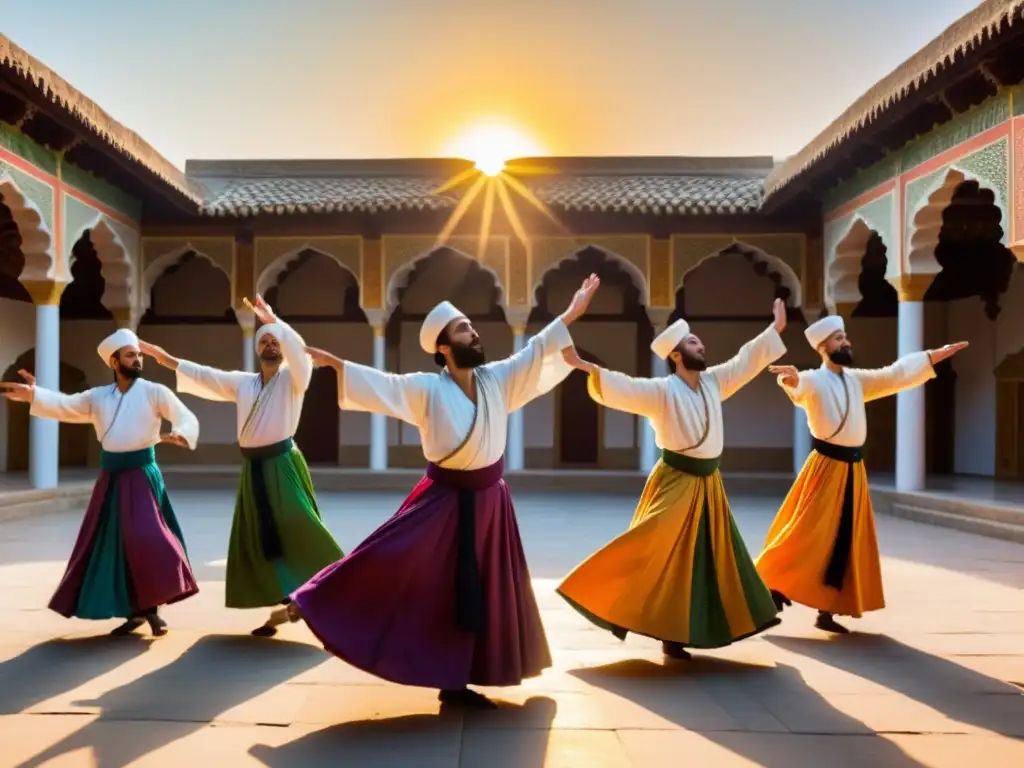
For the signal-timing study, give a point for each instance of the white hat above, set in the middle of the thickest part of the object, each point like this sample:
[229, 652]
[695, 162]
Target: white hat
[436, 322]
[270, 328]
[818, 333]
[669, 339]
[115, 341]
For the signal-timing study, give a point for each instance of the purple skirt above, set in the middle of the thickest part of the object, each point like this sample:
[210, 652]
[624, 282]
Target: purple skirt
[130, 555]
[390, 607]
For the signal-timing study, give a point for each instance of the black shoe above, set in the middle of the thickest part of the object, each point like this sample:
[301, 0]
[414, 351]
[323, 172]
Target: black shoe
[264, 631]
[675, 651]
[466, 698]
[780, 600]
[619, 633]
[128, 627]
[827, 623]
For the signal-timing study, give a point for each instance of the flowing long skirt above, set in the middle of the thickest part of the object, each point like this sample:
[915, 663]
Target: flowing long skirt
[681, 573]
[811, 556]
[278, 541]
[390, 607]
[130, 553]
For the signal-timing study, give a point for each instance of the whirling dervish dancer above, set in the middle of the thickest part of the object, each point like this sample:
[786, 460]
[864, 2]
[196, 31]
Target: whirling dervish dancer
[129, 558]
[440, 595]
[821, 549]
[278, 541]
[681, 573]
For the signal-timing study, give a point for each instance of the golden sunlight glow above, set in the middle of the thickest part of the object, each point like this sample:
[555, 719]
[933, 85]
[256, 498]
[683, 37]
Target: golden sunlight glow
[491, 145]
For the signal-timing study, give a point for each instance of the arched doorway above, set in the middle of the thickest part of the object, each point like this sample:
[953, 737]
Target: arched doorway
[74, 438]
[579, 421]
[974, 265]
[320, 298]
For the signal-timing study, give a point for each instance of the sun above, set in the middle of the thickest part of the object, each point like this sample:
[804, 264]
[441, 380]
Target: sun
[491, 145]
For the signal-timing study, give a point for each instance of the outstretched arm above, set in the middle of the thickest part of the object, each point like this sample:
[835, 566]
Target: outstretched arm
[47, 404]
[184, 424]
[792, 382]
[908, 372]
[540, 366]
[753, 357]
[198, 380]
[643, 397]
[361, 388]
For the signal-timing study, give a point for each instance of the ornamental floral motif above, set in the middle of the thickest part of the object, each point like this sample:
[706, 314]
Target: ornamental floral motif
[39, 192]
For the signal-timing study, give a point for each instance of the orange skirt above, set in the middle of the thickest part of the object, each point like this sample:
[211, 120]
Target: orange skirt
[800, 543]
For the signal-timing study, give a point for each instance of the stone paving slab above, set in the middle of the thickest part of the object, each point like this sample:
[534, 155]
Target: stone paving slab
[936, 679]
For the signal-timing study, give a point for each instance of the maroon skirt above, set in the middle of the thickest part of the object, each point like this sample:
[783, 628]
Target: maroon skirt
[409, 606]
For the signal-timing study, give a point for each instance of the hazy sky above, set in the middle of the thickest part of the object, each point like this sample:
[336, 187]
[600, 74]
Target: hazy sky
[403, 78]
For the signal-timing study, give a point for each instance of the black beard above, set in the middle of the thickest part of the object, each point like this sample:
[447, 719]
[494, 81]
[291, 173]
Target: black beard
[842, 356]
[128, 371]
[692, 363]
[270, 356]
[468, 356]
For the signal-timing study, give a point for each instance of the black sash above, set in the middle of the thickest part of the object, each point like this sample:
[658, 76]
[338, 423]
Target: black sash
[270, 539]
[835, 572]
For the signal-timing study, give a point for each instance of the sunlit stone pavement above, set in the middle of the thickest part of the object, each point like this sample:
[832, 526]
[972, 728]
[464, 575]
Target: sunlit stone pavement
[934, 680]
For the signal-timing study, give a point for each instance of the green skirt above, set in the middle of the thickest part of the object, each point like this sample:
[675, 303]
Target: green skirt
[278, 541]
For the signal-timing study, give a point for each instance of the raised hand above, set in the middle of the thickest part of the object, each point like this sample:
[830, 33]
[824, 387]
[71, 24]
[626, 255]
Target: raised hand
[28, 377]
[779, 313]
[322, 359]
[940, 354]
[262, 310]
[787, 374]
[174, 439]
[158, 354]
[22, 393]
[581, 300]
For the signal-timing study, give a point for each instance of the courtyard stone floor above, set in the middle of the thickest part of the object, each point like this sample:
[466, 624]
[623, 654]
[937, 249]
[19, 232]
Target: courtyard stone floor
[936, 679]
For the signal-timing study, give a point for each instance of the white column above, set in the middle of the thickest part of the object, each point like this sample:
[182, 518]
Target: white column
[378, 421]
[247, 320]
[515, 450]
[801, 439]
[910, 423]
[648, 448]
[44, 434]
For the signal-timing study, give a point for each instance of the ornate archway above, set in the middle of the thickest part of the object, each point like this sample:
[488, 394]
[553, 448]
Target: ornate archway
[36, 241]
[579, 422]
[468, 266]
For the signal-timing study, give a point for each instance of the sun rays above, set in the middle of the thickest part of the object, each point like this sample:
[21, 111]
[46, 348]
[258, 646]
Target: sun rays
[491, 148]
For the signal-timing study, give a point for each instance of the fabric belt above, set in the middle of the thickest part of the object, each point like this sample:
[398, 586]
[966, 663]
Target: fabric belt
[123, 461]
[847, 454]
[835, 571]
[689, 465]
[470, 605]
[270, 539]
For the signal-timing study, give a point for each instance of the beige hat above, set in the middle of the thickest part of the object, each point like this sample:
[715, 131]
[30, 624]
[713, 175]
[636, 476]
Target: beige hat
[436, 322]
[818, 333]
[669, 339]
[119, 339]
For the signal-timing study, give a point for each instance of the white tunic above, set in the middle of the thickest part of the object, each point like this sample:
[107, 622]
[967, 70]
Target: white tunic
[277, 416]
[821, 394]
[434, 403]
[676, 411]
[123, 422]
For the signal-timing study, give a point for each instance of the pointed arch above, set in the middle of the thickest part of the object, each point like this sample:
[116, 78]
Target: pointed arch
[636, 275]
[273, 271]
[400, 279]
[926, 218]
[155, 270]
[786, 275]
[843, 272]
[116, 248]
[36, 240]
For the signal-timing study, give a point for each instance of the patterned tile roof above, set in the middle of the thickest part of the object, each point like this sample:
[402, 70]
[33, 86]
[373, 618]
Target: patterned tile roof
[958, 40]
[631, 185]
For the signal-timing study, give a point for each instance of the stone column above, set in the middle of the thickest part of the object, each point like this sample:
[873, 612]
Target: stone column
[910, 404]
[247, 320]
[515, 448]
[44, 434]
[378, 421]
[648, 447]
